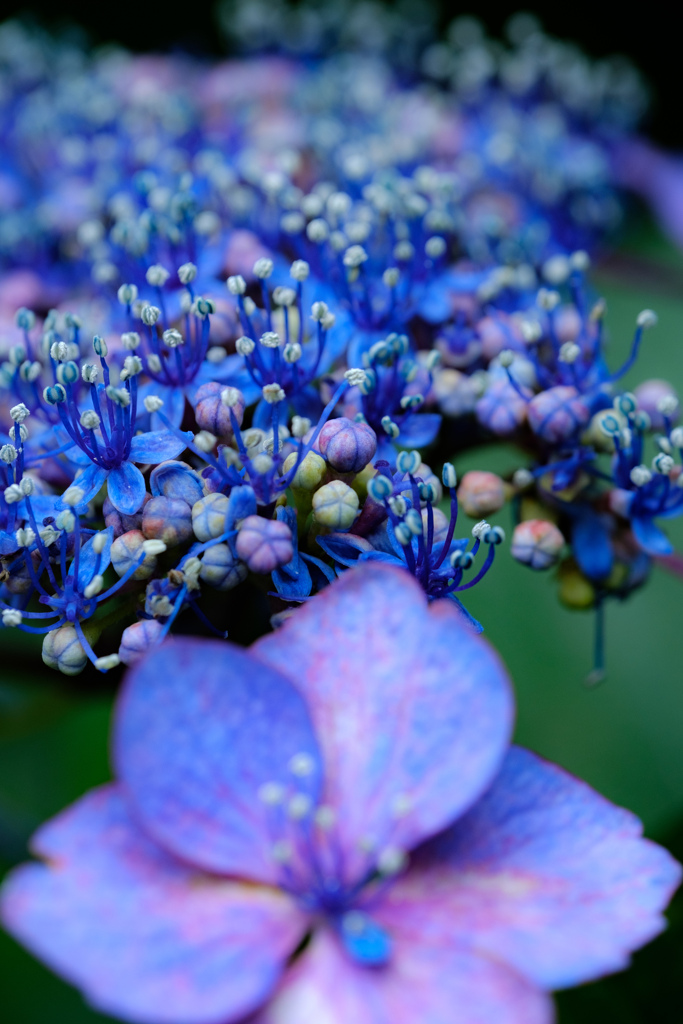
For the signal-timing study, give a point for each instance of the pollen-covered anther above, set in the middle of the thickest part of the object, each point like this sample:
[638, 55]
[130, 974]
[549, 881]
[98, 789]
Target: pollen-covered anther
[73, 496]
[153, 546]
[172, 338]
[94, 587]
[11, 617]
[245, 346]
[19, 413]
[157, 275]
[153, 403]
[205, 440]
[569, 352]
[301, 765]
[282, 851]
[130, 340]
[263, 268]
[299, 806]
[270, 339]
[461, 559]
[236, 284]
[107, 662]
[640, 475]
[667, 405]
[8, 453]
[663, 464]
[89, 419]
[300, 270]
[273, 393]
[325, 817]
[646, 318]
[24, 537]
[150, 315]
[479, 529]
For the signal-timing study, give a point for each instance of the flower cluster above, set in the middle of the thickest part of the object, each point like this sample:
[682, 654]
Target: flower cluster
[241, 305]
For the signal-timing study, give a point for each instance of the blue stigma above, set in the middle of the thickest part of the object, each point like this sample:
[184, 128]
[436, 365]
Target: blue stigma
[364, 940]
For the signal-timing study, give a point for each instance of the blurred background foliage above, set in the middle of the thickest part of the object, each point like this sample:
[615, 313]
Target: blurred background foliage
[625, 737]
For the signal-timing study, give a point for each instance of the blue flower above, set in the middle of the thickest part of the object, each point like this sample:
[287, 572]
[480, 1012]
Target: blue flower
[333, 822]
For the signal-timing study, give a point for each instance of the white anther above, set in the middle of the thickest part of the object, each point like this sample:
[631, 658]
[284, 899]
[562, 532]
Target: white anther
[13, 493]
[263, 267]
[531, 330]
[319, 310]
[107, 662]
[273, 393]
[245, 346]
[157, 275]
[282, 851]
[647, 318]
[299, 806]
[216, 354]
[66, 521]
[580, 260]
[205, 440]
[391, 860]
[667, 405]
[11, 617]
[403, 251]
[556, 270]
[676, 437]
[48, 535]
[664, 444]
[391, 276]
[99, 543]
[522, 478]
[569, 352]
[506, 358]
[354, 256]
[19, 413]
[153, 403]
[187, 273]
[435, 247]
[153, 547]
[547, 299]
[230, 397]
[236, 284]
[59, 351]
[302, 765]
[480, 528]
[300, 426]
[27, 485]
[325, 817]
[355, 376]
[8, 453]
[271, 794]
[161, 606]
[292, 353]
[73, 496]
[24, 537]
[640, 475]
[284, 296]
[89, 373]
[300, 270]
[130, 340]
[154, 363]
[118, 395]
[127, 293]
[398, 505]
[318, 230]
[149, 315]
[271, 339]
[89, 419]
[328, 321]
[94, 587]
[663, 464]
[172, 338]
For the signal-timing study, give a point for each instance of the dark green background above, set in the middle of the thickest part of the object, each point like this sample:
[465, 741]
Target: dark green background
[625, 737]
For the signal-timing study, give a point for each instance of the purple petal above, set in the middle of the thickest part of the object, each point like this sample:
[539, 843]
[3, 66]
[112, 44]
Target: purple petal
[201, 727]
[413, 712]
[542, 874]
[126, 488]
[156, 446]
[143, 936]
[428, 980]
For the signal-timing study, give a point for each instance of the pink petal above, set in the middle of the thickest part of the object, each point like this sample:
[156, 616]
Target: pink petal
[412, 711]
[144, 937]
[428, 981]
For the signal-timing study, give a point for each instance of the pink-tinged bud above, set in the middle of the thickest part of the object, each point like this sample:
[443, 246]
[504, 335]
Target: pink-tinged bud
[264, 544]
[620, 501]
[652, 396]
[568, 324]
[137, 639]
[167, 519]
[125, 553]
[557, 413]
[212, 414]
[347, 445]
[498, 333]
[480, 494]
[118, 521]
[537, 543]
[502, 409]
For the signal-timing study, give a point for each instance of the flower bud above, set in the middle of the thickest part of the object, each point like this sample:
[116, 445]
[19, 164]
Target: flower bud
[220, 568]
[557, 413]
[347, 445]
[335, 505]
[264, 544]
[208, 516]
[213, 414]
[310, 473]
[167, 519]
[126, 551]
[62, 650]
[537, 543]
[481, 493]
[137, 639]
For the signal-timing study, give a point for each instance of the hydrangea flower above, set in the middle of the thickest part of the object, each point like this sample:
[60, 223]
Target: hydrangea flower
[333, 826]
